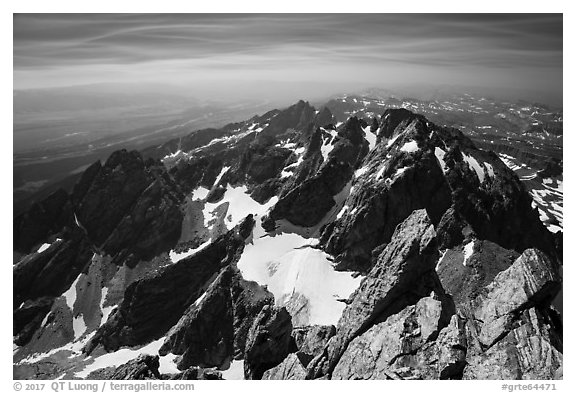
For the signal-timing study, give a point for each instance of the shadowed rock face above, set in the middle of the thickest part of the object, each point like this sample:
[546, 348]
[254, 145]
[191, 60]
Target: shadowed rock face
[308, 202]
[127, 207]
[28, 318]
[418, 165]
[41, 220]
[308, 342]
[155, 303]
[214, 329]
[51, 272]
[464, 276]
[268, 341]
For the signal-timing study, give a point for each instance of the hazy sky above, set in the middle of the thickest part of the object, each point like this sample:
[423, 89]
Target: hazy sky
[282, 53]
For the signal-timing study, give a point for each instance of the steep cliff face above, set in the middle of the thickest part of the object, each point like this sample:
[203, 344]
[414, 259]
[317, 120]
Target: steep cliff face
[418, 165]
[289, 246]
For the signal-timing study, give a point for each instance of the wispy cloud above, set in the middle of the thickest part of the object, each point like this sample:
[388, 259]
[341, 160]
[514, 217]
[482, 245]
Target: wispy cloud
[72, 48]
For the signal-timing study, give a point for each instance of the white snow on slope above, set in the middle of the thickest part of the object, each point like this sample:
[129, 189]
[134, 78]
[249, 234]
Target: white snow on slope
[441, 259]
[74, 347]
[235, 371]
[175, 256]
[300, 150]
[391, 141]
[105, 310]
[328, 144]
[360, 171]
[410, 147]
[290, 169]
[341, 212]
[439, 153]
[222, 172]
[290, 268]
[240, 205]
[490, 169]
[286, 144]
[509, 161]
[547, 195]
[124, 355]
[79, 326]
[44, 247]
[474, 165]
[70, 294]
[370, 137]
[200, 193]
[468, 251]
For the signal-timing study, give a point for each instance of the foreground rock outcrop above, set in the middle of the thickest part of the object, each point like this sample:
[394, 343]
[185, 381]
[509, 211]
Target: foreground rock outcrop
[403, 274]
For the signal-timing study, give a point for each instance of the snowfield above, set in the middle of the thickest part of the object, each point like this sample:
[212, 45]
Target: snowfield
[300, 277]
[547, 195]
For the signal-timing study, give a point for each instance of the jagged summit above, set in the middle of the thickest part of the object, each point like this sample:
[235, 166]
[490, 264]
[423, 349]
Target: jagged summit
[284, 246]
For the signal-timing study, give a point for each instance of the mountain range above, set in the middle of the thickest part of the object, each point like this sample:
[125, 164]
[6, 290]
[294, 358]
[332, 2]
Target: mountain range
[365, 239]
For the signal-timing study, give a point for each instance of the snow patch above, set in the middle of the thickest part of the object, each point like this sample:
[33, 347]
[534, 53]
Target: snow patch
[399, 172]
[490, 169]
[439, 153]
[391, 141]
[370, 137]
[200, 193]
[222, 172]
[326, 148]
[124, 355]
[410, 147]
[240, 204]
[79, 326]
[105, 310]
[235, 371]
[380, 172]
[70, 294]
[360, 171]
[44, 247]
[474, 165]
[341, 212]
[175, 256]
[199, 300]
[441, 259]
[468, 251]
[300, 150]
